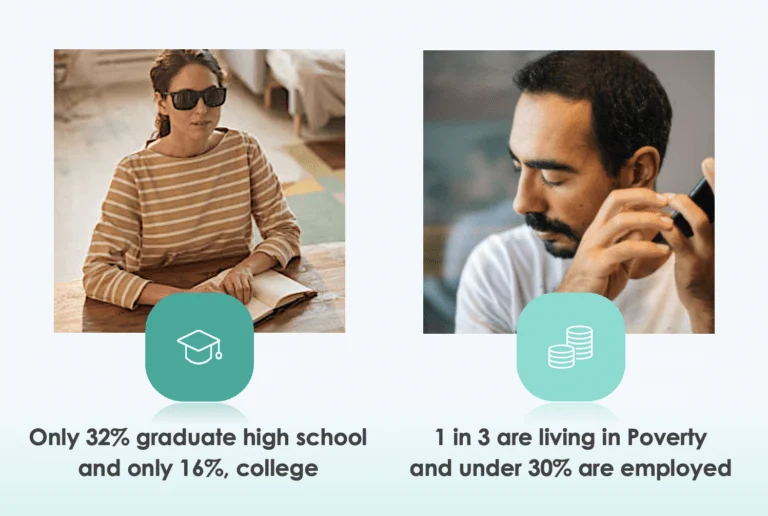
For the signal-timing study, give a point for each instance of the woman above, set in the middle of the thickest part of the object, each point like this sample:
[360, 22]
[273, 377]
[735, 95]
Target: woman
[189, 195]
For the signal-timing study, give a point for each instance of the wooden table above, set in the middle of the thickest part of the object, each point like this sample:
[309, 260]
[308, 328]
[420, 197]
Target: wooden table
[320, 267]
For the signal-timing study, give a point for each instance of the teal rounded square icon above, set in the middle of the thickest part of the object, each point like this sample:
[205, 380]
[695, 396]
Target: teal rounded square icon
[571, 347]
[199, 347]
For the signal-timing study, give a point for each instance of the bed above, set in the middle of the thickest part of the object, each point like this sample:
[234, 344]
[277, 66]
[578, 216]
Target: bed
[314, 79]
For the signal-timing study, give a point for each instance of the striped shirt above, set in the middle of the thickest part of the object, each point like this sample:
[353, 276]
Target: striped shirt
[161, 210]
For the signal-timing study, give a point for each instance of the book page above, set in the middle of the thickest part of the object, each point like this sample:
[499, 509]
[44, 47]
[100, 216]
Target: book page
[257, 309]
[275, 289]
[270, 288]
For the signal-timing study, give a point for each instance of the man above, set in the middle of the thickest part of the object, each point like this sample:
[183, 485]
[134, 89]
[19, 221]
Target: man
[588, 139]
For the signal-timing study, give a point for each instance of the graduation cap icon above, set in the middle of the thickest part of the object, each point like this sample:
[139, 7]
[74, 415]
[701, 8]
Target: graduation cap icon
[198, 347]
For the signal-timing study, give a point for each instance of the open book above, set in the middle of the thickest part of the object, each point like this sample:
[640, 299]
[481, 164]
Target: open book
[272, 292]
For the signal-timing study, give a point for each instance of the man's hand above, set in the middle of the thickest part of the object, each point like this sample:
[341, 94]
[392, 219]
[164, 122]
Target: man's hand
[601, 264]
[695, 258]
[237, 283]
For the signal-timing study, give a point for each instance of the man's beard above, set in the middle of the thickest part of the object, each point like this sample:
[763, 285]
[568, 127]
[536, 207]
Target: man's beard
[539, 222]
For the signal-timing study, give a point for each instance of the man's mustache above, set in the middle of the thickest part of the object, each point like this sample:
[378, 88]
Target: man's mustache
[539, 222]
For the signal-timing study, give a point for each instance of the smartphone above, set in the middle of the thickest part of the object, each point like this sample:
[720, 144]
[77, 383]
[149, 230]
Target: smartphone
[704, 198]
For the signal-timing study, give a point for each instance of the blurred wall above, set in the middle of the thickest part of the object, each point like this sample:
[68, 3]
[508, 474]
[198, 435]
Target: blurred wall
[469, 101]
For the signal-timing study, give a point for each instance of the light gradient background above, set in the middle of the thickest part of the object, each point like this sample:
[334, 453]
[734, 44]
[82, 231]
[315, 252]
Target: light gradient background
[383, 374]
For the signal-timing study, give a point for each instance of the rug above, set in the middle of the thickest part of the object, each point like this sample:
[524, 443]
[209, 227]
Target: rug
[331, 152]
[318, 199]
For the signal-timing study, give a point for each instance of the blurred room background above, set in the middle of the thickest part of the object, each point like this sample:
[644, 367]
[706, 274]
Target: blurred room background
[469, 184]
[104, 110]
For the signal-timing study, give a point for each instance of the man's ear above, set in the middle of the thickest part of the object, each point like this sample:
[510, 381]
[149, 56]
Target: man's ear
[160, 102]
[641, 170]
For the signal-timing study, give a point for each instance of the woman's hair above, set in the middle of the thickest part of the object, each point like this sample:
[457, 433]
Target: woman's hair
[165, 68]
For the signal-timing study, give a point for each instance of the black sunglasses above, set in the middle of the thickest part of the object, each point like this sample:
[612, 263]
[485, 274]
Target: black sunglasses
[187, 99]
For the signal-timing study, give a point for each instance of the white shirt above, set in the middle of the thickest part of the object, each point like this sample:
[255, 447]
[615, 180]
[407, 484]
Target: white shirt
[509, 269]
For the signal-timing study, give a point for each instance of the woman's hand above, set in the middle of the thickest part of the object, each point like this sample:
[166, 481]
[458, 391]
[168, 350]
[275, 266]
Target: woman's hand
[237, 283]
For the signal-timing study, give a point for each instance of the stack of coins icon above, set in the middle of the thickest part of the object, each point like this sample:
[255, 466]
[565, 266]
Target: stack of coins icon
[580, 339]
[561, 356]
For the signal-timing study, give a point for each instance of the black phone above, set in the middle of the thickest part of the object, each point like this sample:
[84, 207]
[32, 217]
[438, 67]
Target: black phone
[704, 198]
